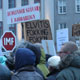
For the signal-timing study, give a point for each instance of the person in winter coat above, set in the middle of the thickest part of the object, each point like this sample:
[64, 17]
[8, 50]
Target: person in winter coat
[70, 62]
[24, 65]
[53, 63]
[36, 50]
[42, 65]
[5, 73]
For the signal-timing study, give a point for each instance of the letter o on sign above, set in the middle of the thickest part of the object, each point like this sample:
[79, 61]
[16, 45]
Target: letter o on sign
[8, 41]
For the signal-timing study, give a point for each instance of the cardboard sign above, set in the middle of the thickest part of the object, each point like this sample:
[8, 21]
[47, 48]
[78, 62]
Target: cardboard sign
[76, 30]
[37, 30]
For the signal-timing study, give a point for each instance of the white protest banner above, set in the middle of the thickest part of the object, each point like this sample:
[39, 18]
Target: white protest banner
[62, 37]
[23, 14]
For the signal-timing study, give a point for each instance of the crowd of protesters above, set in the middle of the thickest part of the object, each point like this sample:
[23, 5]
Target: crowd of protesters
[29, 62]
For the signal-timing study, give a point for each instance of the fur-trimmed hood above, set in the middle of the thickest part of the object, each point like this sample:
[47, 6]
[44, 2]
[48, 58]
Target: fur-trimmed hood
[70, 60]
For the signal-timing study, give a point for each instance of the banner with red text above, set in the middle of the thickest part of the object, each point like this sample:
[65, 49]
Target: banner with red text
[23, 14]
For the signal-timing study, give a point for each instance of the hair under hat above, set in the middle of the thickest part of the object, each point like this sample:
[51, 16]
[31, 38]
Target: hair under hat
[54, 61]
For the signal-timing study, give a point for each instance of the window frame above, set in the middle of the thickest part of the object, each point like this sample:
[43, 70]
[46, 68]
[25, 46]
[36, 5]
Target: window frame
[77, 4]
[37, 1]
[62, 6]
[1, 27]
[24, 2]
[11, 3]
[12, 27]
[1, 4]
[63, 26]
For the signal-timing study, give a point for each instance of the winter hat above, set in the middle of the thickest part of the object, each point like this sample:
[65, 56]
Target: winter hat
[54, 61]
[34, 48]
[24, 57]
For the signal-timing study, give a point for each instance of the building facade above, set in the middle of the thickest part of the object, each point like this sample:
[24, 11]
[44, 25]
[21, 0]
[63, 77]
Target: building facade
[61, 14]
[66, 13]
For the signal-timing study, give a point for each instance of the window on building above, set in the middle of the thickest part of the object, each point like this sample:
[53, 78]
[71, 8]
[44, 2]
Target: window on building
[77, 4]
[1, 29]
[61, 6]
[37, 1]
[62, 26]
[24, 2]
[0, 4]
[12, 3]
[12, 27]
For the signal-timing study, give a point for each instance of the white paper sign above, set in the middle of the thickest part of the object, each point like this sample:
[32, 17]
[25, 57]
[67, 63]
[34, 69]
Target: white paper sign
[61, 37]
[49, 47]
[23, 14]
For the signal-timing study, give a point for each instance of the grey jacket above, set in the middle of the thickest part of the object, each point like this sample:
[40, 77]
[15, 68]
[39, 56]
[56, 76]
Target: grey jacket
[27, 73]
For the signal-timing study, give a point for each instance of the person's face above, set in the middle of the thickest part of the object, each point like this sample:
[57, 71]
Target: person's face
[62, 53]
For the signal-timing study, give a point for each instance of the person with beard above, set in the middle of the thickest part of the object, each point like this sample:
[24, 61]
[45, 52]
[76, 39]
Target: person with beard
[70, 62]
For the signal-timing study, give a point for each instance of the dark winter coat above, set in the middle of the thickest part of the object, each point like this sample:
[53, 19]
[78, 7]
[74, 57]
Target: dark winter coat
[52, 75]
[24, 65]
[70, 67]
[37, 52]
[5, 73]
[27, 73]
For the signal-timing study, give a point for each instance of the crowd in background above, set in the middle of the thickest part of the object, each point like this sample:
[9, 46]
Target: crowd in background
[29, 62]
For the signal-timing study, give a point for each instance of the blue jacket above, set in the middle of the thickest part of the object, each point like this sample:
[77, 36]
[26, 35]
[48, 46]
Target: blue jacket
[5, 73]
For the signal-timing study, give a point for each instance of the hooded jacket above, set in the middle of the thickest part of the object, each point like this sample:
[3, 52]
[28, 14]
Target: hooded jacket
[24, 65]
[42, 63]
[24, 57]
[36, 50]
[70, 67]
[32, 47]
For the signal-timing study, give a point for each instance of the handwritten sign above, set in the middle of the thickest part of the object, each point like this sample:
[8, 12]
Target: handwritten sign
[76, 30]
[37, 30]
